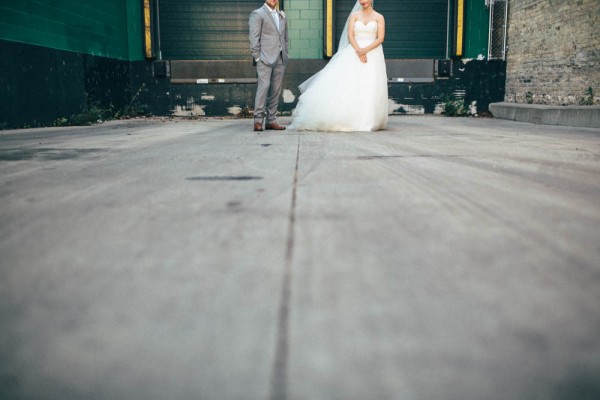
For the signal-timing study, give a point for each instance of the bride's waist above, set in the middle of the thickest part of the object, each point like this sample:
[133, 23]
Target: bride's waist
[364, 42]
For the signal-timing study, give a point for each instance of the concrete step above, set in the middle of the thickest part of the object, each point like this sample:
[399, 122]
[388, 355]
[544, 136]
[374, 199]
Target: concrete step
[581, 116]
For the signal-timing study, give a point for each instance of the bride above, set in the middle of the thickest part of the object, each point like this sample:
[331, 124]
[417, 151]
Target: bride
[350, 94]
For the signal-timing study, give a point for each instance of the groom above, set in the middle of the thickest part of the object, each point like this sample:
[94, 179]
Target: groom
[269, 46]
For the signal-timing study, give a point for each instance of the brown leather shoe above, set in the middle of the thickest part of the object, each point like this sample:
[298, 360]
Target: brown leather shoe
[258, 127]
[274, 126]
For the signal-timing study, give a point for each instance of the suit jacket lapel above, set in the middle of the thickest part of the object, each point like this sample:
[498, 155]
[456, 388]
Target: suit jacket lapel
[270, 17]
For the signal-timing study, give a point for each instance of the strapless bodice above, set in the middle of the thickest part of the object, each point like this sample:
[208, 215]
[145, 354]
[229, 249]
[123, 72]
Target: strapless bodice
[365, 32]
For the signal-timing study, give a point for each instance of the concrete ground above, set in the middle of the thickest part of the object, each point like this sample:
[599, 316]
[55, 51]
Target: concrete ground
[439, 259]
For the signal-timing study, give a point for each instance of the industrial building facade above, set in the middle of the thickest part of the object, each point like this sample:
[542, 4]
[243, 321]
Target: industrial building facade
[191, 57]
[218, 30]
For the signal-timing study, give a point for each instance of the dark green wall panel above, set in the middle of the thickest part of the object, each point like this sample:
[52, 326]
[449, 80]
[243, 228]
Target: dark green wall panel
[218, 29]
[477, 21]
[205, 30]
[414, 28]
[135, 30]
[85, 26]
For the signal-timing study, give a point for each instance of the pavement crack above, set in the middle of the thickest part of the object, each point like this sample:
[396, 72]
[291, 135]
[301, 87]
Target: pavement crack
[280, 367]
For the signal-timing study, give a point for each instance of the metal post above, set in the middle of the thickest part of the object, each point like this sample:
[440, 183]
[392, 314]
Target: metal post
[505, 28]
[490, 29]
[448, 30]
[158, 30]
[328, 28]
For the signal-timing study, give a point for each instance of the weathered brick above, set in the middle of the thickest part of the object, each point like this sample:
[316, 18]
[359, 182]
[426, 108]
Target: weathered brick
[554, 51]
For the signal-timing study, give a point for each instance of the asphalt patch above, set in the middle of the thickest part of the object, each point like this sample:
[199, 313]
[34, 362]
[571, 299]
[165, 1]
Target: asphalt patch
[225, 178]
[43, 154]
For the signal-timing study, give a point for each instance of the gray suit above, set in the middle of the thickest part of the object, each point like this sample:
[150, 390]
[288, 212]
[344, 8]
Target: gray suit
[270, 47]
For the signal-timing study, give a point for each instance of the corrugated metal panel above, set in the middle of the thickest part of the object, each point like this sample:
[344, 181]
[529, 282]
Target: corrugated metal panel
[86, 26]
[205, 30]
[218, 30]
[414, 28]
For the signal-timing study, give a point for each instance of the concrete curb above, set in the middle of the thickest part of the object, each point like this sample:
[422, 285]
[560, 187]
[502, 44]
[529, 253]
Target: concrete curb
[580, 116]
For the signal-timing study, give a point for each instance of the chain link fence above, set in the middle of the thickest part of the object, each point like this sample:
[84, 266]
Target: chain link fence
[498, 25]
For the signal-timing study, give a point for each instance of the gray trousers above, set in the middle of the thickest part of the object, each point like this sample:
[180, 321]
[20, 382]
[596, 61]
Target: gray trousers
[268, 91]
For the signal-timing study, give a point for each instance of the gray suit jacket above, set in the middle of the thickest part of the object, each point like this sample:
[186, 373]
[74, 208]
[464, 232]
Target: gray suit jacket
[265, 41]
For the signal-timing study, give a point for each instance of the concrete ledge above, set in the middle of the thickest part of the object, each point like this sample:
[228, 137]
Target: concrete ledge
[582, 116]
[237, 71]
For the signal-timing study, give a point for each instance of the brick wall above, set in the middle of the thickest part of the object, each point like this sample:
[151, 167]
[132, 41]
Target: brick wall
[553, 51]
[305, 18]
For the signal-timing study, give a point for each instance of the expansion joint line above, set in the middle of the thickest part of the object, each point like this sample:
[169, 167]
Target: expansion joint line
[280, 367]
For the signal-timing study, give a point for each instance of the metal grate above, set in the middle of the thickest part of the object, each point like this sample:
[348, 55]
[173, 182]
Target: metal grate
[498, 24]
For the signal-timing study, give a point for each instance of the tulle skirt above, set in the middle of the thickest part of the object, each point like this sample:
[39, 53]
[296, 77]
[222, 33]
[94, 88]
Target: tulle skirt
[345, 96]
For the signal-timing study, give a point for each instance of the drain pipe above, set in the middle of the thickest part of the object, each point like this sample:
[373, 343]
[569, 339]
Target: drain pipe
[158, 30]
[447, 29]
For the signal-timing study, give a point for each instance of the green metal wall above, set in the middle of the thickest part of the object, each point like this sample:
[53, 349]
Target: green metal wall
[135, 30]
[414, 28]
[108, 28]
[218, 29]
[476, 29]
[206, 29]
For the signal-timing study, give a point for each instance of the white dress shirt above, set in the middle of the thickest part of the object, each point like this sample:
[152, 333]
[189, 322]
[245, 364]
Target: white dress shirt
[275, 15]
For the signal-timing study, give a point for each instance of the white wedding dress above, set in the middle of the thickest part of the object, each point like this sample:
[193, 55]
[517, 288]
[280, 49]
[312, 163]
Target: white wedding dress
[347, 95]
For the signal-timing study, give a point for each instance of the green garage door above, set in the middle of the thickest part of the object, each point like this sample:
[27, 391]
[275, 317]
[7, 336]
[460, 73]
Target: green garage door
[205, 29]
[218, 29]
[414, 28]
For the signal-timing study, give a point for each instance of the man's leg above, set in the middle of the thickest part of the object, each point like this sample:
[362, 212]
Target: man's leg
[275, 91]
[263, 73]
